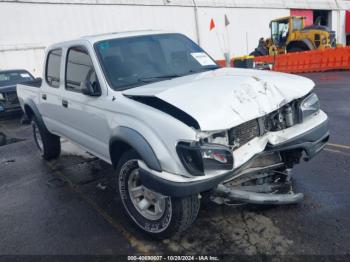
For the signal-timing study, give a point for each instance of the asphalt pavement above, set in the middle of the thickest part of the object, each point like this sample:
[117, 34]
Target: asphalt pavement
[69, 206]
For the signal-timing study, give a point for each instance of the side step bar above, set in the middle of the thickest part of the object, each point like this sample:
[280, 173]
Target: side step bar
[257, 198]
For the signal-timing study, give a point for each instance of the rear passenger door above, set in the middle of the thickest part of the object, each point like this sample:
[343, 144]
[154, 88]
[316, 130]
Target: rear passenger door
[84, 116]
[50, 97]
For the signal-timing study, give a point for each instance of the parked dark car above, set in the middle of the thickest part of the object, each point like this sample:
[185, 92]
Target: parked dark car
[9, 103]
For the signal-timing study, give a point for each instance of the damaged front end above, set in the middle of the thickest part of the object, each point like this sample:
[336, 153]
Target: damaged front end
[250, 162]
[264, 180]
[266, 177]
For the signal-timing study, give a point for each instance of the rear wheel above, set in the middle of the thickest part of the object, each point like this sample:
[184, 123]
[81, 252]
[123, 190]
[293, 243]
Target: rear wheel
[158, 215]
[48, 144]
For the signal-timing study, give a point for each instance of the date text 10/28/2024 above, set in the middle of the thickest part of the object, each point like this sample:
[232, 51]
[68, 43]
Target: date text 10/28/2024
[173, 258]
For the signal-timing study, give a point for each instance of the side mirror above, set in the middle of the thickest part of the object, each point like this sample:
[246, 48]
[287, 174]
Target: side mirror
[90, 89]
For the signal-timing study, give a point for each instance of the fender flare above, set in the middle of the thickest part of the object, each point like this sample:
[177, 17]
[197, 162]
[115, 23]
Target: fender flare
[135, 140]
[30, 103]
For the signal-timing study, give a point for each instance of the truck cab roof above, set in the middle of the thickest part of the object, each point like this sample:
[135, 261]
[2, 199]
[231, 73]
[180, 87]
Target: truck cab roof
[106, 36]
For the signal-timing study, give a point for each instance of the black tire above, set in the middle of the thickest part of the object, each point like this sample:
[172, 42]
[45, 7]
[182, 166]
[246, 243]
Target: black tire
[50, 146]
[296, 49]
[178, 214]
[24, 120]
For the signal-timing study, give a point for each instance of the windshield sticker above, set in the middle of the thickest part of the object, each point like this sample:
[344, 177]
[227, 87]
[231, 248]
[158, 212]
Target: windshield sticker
[203, 59]
[104, 45]
[25, 75]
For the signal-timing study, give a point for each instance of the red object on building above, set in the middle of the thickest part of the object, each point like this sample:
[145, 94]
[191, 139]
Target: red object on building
[347, 22]
[212, 24]
[308, 14]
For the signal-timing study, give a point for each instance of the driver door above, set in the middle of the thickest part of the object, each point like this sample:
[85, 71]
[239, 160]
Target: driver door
[85, 121]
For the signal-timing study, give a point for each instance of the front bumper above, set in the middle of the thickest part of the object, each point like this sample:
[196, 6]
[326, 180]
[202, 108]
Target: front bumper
[311, 142]
[234, 194]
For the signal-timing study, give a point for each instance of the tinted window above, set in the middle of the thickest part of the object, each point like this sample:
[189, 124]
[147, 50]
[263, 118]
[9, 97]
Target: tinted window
[53, 67]
[14, 77]
[79, 69]
[134, 61]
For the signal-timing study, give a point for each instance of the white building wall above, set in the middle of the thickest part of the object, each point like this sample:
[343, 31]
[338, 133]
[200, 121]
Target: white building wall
[338, 25]
[242, 35]
[37, 25]
[26, 28]
[30, 59]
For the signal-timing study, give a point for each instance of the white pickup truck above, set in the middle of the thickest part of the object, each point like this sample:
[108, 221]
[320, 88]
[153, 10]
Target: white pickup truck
[174, 124]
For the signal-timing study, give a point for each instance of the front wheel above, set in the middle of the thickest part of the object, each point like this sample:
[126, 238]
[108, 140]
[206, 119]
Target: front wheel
[158, 215]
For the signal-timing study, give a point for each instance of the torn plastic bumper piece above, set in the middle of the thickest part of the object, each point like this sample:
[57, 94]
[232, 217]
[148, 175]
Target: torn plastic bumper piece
[257, 198]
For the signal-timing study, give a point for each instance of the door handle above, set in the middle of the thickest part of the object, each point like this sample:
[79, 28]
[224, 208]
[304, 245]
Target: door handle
[43, 96]
[65, 103]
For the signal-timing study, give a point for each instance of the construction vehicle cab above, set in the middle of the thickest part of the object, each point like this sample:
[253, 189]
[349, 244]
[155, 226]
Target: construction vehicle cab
[289, 34]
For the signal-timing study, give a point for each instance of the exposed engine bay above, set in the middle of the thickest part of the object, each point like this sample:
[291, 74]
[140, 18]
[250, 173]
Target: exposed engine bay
[267, 174]
[277, 120]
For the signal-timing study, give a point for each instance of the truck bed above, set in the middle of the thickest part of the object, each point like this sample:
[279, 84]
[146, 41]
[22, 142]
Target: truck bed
[29, 90]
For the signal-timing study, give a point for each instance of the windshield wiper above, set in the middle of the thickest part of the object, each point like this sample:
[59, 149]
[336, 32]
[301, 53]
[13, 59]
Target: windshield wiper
[151, 79]
[201, 70]
[147, 80]
[156, 78]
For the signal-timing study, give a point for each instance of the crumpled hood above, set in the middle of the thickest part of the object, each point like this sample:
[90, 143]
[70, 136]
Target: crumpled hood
[227, 97]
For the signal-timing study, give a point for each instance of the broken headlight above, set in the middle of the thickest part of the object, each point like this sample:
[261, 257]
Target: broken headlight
[2, 97]
[198, 158]
[216, 137]
[309, 106]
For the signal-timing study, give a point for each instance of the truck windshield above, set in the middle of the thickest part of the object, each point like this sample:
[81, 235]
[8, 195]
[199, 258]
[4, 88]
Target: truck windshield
[8, 78]
[134, 61]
